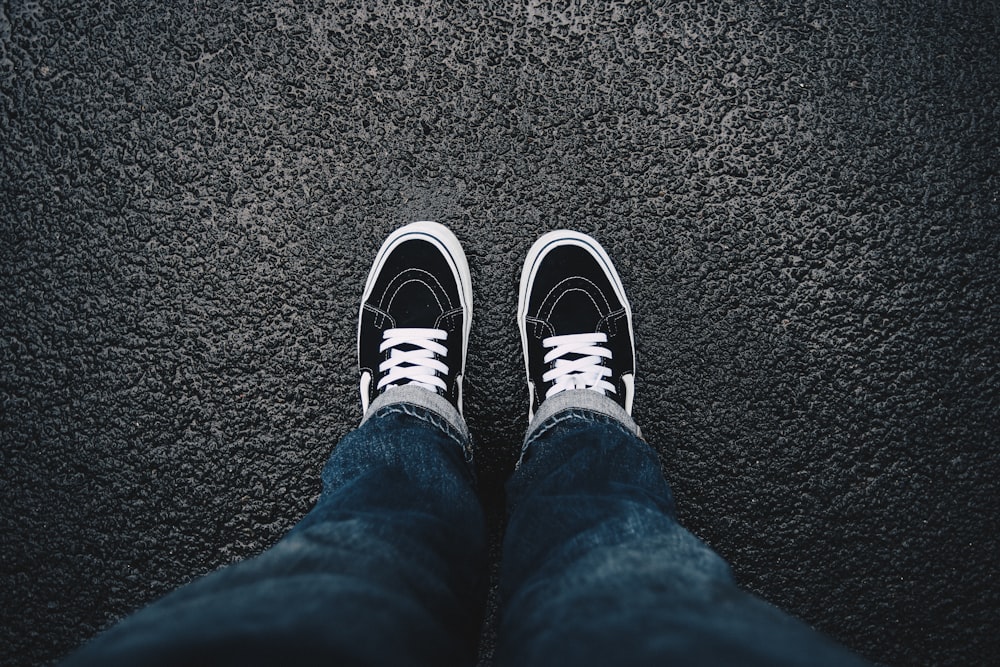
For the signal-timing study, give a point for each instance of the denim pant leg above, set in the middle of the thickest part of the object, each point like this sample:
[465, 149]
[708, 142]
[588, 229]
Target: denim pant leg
[387, 569]
[597, 571]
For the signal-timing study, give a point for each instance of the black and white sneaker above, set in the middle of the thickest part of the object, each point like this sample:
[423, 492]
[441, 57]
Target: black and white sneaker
[416, 313]
[576, 323]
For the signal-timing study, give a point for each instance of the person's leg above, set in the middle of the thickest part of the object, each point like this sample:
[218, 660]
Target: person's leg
[386, 569]
[596, 569]
[389, 567]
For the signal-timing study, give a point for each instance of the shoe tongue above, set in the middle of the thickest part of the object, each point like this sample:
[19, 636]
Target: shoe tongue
[574, 313]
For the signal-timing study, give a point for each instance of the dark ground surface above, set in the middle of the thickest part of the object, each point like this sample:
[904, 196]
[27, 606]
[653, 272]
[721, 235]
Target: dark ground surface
[802, 199]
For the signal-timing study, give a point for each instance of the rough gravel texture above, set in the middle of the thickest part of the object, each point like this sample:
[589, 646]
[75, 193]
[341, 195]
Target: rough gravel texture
[802, 198]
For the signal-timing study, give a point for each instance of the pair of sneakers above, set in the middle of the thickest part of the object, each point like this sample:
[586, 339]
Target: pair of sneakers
[416, 315]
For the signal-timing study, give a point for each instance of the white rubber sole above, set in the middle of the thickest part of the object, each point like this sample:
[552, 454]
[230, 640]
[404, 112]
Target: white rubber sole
[536, 254]
[450, 247]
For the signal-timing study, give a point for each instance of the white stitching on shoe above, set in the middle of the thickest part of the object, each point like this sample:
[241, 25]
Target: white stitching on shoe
[445, 316]
[611, 321]
[607, 306]
[385, 302]
[380, 315]
[540, 326]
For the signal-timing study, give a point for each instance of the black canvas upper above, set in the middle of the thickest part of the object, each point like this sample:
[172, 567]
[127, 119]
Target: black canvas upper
[571, 293]
[415, 288]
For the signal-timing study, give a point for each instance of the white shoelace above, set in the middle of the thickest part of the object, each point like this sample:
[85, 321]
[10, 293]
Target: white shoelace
[585, 370]
[414, 358]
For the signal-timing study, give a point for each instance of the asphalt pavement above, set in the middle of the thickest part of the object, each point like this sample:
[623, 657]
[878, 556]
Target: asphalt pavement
[803, 199]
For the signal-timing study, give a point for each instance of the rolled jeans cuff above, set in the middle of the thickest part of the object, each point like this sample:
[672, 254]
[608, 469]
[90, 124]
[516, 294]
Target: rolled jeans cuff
[432, 407]
[576, 400]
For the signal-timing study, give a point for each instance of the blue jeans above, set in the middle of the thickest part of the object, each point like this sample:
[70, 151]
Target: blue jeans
[389, 568]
